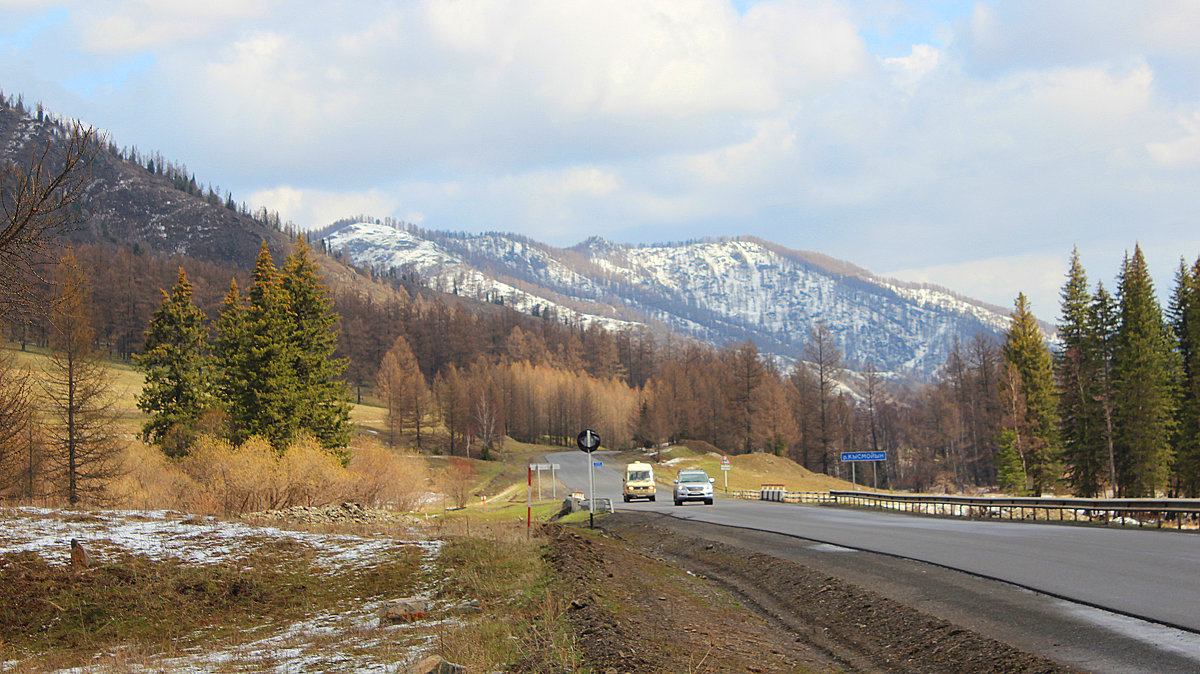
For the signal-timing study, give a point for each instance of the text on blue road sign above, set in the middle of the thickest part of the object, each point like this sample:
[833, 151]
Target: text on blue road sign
[864, 456]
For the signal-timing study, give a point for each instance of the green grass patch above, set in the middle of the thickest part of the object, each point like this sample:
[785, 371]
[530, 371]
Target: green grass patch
[522, 624]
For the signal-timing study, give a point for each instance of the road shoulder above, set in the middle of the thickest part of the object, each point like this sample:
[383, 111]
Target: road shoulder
[841, 625]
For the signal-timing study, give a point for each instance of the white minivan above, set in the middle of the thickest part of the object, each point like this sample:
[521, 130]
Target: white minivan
[638, 481]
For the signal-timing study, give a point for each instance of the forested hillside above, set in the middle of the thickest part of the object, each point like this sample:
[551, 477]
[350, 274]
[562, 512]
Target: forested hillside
[458, 376]
[142, 200]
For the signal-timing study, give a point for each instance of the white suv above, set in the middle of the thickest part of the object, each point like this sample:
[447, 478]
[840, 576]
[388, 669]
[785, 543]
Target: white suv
[693, 485]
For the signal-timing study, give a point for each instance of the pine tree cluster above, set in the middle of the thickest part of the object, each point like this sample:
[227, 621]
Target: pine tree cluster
[270, 371]
[1128, 398]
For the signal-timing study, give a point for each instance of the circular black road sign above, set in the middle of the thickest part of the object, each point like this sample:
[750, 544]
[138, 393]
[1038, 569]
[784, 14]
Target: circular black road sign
[588, 440]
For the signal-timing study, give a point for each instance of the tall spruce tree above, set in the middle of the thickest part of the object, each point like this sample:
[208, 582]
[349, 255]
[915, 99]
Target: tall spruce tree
[1035, 418]
[1101, 337]
[1143, 371]
[1084, 450]
[323, 400]
[229, 350]
[275, 358]
[254, 355]
[1185, 320]
[178, 367]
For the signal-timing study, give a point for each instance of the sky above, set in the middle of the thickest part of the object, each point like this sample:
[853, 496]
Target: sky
[968, 144]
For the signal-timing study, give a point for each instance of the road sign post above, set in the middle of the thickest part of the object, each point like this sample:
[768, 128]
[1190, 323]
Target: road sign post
[725, 471]
[853, 457]
[588, 441]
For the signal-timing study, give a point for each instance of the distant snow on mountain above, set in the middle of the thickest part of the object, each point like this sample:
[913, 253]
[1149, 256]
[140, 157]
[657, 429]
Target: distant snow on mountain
[715, 290]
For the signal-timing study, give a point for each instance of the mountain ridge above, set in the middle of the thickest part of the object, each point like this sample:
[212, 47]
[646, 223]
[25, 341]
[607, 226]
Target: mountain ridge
[714, 289]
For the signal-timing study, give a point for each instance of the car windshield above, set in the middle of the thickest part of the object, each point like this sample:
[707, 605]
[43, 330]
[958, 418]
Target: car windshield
[639, 475]
[693, 477]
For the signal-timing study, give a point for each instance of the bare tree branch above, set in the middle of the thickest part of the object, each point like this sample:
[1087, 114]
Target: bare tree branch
[39, 201]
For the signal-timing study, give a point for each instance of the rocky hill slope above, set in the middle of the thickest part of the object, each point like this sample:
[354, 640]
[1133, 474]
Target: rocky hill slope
[151, 205]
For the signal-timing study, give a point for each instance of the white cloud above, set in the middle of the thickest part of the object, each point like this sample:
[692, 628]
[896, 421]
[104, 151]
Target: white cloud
[999, 279]
[998, 137]
[909, 71]
[137, 25]
[308, 206]
[1183, 151]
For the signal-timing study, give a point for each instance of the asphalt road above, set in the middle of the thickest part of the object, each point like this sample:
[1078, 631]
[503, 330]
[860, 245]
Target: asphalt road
[1141, 575]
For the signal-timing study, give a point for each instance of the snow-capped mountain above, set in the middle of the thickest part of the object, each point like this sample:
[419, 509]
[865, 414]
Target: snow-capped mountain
[715, 290]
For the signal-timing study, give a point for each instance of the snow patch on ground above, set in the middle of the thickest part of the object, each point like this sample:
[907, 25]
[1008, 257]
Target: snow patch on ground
[162, 535]
[348, 641]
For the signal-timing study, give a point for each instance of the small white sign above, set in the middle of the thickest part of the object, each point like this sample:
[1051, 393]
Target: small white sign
[724, 466]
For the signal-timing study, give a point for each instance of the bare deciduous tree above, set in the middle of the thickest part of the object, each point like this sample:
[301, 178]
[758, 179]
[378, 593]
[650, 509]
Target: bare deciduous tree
[39, 200]
[16, 419]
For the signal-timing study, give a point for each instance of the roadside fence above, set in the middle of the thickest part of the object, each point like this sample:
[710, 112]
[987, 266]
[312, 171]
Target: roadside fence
[1183, 514]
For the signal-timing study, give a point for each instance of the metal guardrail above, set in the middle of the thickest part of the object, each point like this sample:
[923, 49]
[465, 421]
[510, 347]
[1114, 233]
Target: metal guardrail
[1176, 513]
[784, 496]
[1139, 511]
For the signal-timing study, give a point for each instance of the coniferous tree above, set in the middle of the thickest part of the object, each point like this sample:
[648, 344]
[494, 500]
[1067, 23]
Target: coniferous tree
[1036, 415]
[229, 350]
[453, 402]
[1142, 385]
[1084, 450]
[17, 425]
[257, 378]
[178, 367]
[745, 397]
[83, 447]
[1186, 325]
[826, 358]
[1102, 324]
[403, 389]
[322, 399]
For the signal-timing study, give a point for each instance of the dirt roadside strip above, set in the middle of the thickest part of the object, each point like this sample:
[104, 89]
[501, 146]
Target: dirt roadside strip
[646, 598]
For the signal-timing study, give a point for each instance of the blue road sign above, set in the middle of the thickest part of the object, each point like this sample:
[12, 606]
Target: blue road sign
[597, 464]
[864, 456]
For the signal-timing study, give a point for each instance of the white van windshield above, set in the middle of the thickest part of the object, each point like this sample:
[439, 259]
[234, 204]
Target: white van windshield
[638, 475]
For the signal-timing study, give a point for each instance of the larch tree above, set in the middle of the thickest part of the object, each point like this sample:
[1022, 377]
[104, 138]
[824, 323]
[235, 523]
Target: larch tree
[453, 402]
[1143, 373]
[17, 426]
[178, 368]
[1033, 413]
[746, 375]
[403, 390]
[84, 449]
[826, 358]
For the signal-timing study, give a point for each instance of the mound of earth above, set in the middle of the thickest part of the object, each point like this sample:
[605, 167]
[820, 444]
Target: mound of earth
[645, 598]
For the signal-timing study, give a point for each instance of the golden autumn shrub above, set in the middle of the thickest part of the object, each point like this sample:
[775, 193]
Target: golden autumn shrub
[377, 476]
[308, 474]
